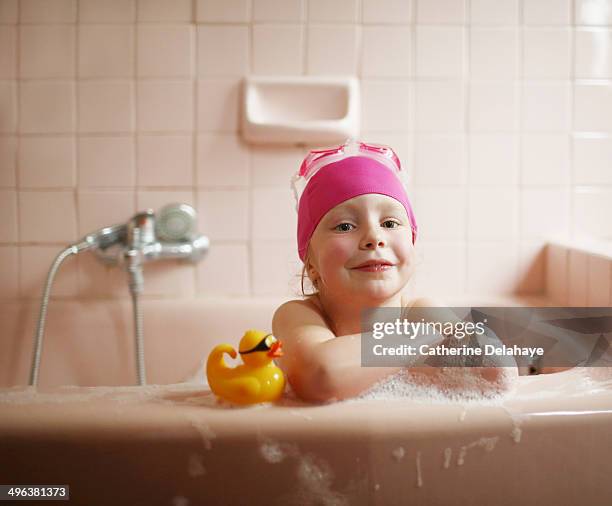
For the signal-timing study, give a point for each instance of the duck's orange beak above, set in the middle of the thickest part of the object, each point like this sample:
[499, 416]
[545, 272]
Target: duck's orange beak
[276, 350]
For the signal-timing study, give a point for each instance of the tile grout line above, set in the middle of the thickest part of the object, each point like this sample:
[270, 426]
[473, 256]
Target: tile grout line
[195, 37]
[468, 141]
[18, 209]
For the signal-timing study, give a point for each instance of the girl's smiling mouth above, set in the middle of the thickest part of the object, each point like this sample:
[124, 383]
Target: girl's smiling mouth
[374, 266]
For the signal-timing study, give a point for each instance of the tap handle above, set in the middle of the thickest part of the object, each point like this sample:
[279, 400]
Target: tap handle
[141, 229]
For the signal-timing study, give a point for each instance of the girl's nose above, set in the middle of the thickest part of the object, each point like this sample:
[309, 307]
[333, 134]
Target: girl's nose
[373, 240]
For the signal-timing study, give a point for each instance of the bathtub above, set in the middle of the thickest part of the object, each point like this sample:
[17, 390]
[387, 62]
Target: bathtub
[173, 443]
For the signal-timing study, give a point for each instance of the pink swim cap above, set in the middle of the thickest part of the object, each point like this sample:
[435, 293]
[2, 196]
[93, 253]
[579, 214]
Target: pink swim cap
[342, 180]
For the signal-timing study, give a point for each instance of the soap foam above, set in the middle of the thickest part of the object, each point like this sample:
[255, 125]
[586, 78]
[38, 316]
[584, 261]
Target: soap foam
[196, 465]
[458, 385]
[314, 475]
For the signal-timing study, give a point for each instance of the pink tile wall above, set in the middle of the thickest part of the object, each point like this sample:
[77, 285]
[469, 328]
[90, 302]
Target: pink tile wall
[501, 110]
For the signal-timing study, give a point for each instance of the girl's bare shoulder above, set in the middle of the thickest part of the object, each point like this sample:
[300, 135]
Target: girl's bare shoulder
[421, 302]
[303, 308]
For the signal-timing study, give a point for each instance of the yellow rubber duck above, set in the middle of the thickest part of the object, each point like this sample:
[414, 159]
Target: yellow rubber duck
[257, 380]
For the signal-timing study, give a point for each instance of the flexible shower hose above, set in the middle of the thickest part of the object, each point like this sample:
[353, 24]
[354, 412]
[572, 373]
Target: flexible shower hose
[40, 329]
[136, 283]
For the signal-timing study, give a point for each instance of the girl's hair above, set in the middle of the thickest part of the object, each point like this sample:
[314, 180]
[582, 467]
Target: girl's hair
[305, 275]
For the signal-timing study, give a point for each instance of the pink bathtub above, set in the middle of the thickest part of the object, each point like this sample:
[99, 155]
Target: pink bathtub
[172, 443]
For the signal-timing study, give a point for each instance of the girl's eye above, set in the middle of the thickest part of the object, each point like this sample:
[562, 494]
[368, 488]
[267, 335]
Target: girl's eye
[343, 227]
[390, 224]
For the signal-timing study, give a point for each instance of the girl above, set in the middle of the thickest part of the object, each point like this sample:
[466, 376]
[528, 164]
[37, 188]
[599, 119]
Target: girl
[356, 235]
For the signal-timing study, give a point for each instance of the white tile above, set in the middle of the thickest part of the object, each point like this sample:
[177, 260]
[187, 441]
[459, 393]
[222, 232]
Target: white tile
[109, 11]
[8, 208]
[578, 273]
[592, 211]
[592, 47]
[34, 265]
[545, 159]
[106, 106]
[8, 158]
[165, 160]
[440, 159]
[44, 107]
[439, 12]
[545, 213]
[492, 213]
[46, 162]
[224, 215]
[600, 274]
[592, 160]
[274, 166]
[493, 107]
[47, 216]
[342, 60]
[494, 12]
[278, 10]
[440, 51]
[224, 11]
[165, 50]
[493, 159]
[106, 51]
[47, 11]
[106, 161]
[8, 106]
[224, 270]
[171, 278]
[387, 11]
[557, 269]
[276, 268]
[547, 12]
[164, 10]
[376, 41]
[273, 214]
[546, 53]
[441, 268]
[165, 106]
[218, 105]
[531, 275]
[595, 13]
[8, 52]
[222, 161]
[103, 208]
[386, 105]
[9, 272]
[494, 53]
[339, 11]
[9, 11]
[440, 213]
[46, 51]
[592, 107]
[233, 60]
[156, 199]
[439, 106]
[492, 268]
[277, 49]
[546, 107]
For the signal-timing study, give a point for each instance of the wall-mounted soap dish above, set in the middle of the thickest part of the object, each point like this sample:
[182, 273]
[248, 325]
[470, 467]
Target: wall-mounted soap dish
[300, 110]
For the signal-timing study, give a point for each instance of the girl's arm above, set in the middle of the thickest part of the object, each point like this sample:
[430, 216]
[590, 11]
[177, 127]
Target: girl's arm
[318, 365]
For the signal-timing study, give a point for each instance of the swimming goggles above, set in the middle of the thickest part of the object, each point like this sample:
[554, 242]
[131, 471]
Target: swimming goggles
[319, 158]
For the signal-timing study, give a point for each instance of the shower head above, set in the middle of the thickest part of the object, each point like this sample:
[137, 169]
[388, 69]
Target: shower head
[102, 238]
[176, 223]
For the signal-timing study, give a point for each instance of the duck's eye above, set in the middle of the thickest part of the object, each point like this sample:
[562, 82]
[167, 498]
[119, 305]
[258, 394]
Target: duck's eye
[390, 224]
[344, 227]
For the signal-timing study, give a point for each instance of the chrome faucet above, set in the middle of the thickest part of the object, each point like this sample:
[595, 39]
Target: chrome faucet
[146, 237]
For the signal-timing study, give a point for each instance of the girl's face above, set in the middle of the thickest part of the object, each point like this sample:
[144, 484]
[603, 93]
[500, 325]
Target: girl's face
[362, 249]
